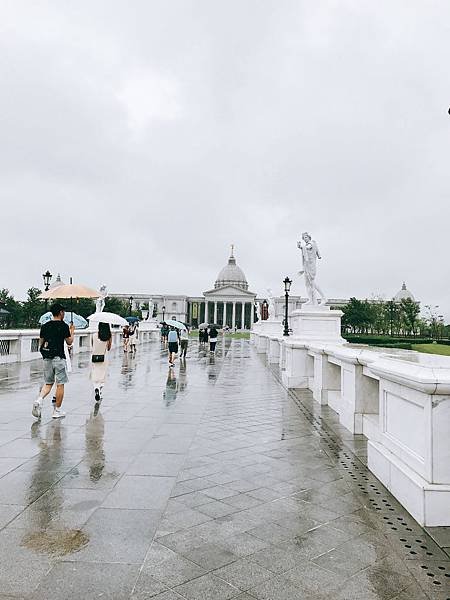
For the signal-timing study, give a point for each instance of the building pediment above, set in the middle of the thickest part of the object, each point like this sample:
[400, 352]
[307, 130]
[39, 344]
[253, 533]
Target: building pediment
[229, 291]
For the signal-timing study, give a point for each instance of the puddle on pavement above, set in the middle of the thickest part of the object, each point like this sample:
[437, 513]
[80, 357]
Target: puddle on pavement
[56, 543]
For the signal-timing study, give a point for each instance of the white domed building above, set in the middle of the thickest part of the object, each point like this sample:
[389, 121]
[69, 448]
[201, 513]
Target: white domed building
[404, 294]
[230, 302]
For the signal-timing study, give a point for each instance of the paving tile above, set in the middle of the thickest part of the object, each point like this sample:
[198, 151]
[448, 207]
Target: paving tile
[357, 554]
[174, 570]
[211, 556]
[147, 586]
[73, 581]
[8, 512]
[118, 535]
[277, 588]
[243, 574]
[21, 567]
[206, 588]
[140, 492]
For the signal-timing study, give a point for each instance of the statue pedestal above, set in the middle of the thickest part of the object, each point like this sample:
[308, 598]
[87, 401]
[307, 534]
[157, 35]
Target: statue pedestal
[310, 325]
[264, 330]
[149, 330]
[269, 327]
[317, 324]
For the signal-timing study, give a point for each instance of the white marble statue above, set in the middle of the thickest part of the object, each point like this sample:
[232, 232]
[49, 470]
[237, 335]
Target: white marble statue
[100, 302]
[271, 305]
[151, 308]
[258, 310]
[310, 254]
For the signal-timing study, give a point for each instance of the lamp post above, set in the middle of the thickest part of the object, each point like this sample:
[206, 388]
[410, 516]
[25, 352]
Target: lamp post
[264, 310]
[287, 286]
[47, 277]
[164, 312]
[130, 300]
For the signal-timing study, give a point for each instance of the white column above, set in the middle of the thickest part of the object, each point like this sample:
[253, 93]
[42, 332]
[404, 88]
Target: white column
[215, 312]
[206, 311]
[233, 319]
[224, 314]
[252, 314]
[243, 314]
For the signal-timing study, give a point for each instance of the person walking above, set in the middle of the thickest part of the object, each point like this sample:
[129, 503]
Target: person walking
[184, 341]
[164, 332]
[205, 337]
[52, 337]
[200, 338]
[126, 337]
[100, 344]
[133, 338]
[212, 339]
[173, 345]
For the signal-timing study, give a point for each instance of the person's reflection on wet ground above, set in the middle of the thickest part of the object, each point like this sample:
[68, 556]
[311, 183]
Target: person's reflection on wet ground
[211, 361]
[95, 454]
[170, 393]
[182, 379]
[127, 371]
[45, 500]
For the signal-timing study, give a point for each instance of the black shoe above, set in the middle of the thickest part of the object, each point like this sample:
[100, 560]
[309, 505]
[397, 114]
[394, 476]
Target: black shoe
[97, 395]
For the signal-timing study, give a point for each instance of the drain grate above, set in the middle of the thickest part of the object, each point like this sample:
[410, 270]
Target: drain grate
[412, 542]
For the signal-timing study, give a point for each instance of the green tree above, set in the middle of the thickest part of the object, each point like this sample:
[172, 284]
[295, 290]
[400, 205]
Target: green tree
[409, 311]
[117, 306]
[83, 306]
[12, 306]
[32, 308]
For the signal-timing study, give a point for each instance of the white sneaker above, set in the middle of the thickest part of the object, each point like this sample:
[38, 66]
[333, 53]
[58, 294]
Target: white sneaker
[58, 414]
[37, 408]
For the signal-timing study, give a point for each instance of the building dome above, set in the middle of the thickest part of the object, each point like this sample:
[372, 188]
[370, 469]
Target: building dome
[231, 274]
[404, 294]
[57, 283]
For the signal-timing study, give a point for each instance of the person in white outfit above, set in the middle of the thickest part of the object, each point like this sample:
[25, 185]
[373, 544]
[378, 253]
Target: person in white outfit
[100, 345]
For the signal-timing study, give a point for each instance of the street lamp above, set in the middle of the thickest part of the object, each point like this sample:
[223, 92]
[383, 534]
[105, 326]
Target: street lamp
[47, 277]
[287, 286]
[164, 312]
[265, 310]
[130, 299]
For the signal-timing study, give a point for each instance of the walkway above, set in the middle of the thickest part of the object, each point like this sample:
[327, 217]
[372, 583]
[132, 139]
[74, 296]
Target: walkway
[214, 485]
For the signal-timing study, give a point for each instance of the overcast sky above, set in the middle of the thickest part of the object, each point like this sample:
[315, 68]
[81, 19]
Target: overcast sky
[140, 139]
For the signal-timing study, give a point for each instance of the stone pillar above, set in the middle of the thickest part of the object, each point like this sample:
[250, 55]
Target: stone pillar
[215, 312]
[224, 318]
[252, 315]
[243, 316]
[206, 311]
[233, 319]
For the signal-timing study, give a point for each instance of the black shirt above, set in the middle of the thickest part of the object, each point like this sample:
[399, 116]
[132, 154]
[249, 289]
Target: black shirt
[54, 333]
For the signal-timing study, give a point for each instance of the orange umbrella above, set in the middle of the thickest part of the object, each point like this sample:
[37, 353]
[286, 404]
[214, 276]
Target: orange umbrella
[70, 290]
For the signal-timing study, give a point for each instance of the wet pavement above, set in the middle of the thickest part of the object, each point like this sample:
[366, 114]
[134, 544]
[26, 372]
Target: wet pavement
[206, 483]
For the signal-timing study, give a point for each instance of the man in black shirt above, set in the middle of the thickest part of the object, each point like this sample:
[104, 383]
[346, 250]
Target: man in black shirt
[53, 335]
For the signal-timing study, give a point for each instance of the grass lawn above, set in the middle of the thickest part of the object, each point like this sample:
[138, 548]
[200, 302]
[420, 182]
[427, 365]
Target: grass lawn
[239, 335]
[432, 349]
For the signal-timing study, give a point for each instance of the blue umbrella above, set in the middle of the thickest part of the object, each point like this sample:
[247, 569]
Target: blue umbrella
[131, 319]
[78, 321]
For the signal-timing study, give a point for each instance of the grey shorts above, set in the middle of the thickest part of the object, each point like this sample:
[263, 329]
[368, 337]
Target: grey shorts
[55, 370]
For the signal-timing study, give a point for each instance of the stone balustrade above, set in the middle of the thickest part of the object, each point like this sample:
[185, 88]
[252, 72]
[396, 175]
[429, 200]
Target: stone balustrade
[398, 399]
[22, 345]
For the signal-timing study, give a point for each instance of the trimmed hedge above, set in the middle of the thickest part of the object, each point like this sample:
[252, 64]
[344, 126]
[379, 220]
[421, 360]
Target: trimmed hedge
[384, 340]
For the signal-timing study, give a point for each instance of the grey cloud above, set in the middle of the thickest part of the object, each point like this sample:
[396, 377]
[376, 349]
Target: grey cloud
[263, 119]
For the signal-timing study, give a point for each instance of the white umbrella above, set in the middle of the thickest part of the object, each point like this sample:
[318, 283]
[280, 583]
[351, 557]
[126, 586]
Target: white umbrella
[177, 324]
[107, 317]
